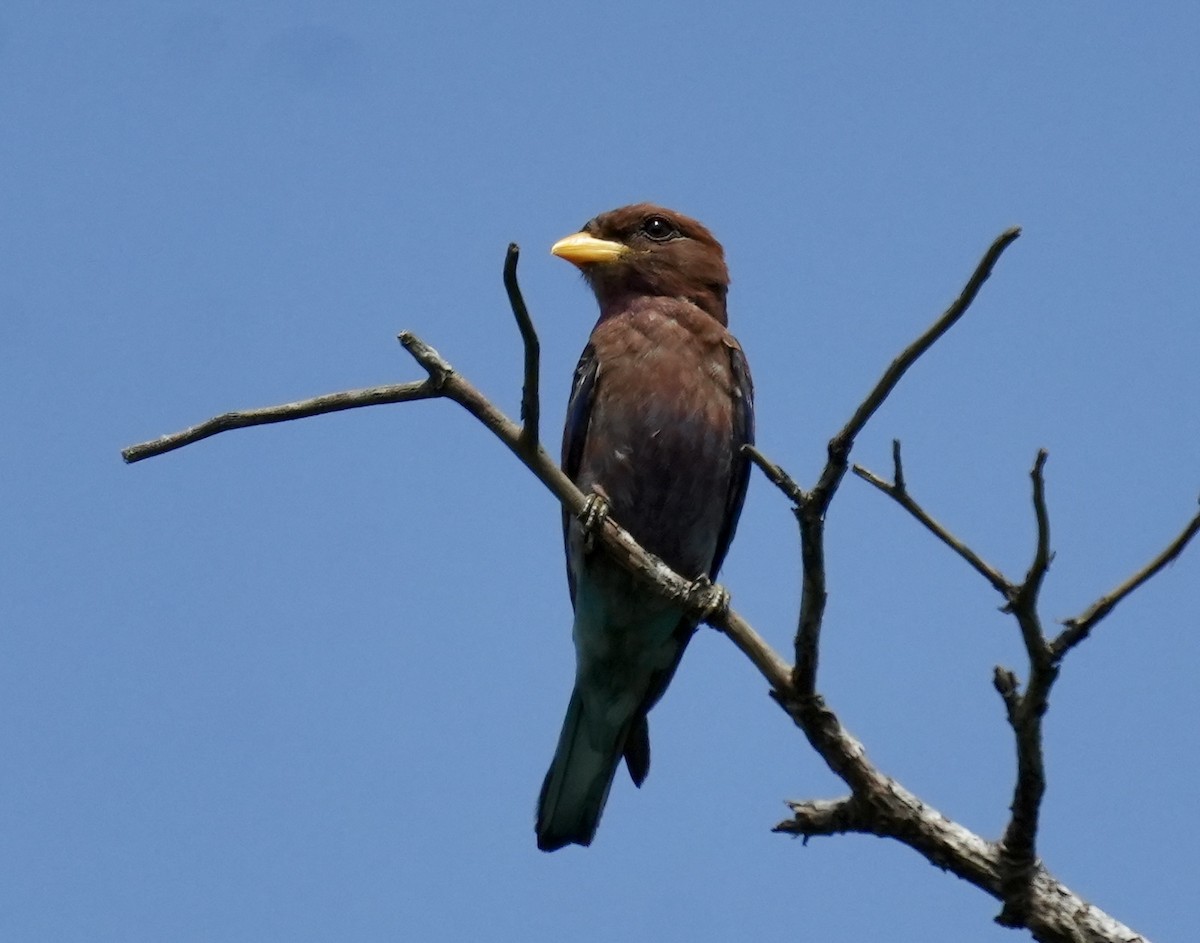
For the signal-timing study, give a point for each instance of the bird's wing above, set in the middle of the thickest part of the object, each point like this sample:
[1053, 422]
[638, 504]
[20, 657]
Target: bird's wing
[743, 434]
[579, 416]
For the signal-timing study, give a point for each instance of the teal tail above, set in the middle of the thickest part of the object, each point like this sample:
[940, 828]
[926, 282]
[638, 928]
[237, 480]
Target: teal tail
[582, 772]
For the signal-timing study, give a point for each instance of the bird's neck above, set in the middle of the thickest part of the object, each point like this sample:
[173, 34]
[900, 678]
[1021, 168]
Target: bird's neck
[710, 301]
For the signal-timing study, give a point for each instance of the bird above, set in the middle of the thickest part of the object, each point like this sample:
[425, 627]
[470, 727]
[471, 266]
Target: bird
[660, 408]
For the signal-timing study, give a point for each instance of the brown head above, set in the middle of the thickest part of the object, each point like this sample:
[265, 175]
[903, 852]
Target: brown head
[645, 249]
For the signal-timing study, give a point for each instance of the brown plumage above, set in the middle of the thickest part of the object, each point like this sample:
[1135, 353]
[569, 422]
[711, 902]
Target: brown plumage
[660, 407]
[690, 265]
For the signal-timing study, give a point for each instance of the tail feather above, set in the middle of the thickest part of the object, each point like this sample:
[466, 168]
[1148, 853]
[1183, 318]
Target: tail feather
[576, 786]
[637, 750]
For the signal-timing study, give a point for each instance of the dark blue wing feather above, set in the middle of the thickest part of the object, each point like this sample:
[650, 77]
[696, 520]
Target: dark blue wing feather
[743, 434]
[579, 415]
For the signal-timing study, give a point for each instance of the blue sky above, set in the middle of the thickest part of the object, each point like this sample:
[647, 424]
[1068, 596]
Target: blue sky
[302, 682]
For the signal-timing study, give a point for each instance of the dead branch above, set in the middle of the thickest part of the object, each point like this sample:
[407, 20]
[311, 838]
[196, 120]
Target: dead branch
[531, 397]
[317, 406]
[878, 804]
[1017, 877]
[1078, 628]
[898, 491]
[810, 508]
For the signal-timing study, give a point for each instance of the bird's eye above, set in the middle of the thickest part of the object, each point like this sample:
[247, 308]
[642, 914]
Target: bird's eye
[659, 228]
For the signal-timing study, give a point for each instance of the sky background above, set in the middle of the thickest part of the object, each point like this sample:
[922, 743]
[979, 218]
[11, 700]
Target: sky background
[302, 682]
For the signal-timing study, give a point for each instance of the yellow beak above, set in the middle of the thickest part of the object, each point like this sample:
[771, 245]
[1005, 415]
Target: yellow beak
[582, 249]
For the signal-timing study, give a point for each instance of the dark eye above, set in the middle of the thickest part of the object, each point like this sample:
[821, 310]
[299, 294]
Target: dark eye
[659, 228]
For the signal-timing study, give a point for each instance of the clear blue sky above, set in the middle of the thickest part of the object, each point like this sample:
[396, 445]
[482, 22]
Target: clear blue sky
[302, 682]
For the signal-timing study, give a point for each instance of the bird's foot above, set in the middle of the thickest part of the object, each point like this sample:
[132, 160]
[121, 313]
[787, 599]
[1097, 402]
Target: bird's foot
[712, 598]
[592, 518]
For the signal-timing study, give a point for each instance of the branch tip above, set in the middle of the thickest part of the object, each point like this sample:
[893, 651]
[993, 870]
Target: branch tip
[1042, 556]
[776, 475]
[530, 394]
[432, 362]
[897, 490]
[1078, 628]
[897, 466]
[841, 444]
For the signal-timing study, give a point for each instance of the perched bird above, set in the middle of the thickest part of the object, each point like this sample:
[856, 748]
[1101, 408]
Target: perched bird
[660, 407]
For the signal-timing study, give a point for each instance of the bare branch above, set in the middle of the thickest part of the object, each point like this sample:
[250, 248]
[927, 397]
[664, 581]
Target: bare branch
[1041, 555]
[316, 406]
[776, 475]
[1016, 877]
[1055, 913]
[1017, 851]
[370, 396]
[530, 396]
[878, 804]
[769, 664]
[841, 444]
[813, 597]
[1025, 712]
[898, 492]
[897, 466]
[706, 602]
[1019, 845]
[1077, 629]
[1009, 689]
[810, 512]
[813, 817]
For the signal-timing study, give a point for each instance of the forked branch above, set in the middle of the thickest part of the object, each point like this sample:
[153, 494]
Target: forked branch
[878, 804]
[1019, 876]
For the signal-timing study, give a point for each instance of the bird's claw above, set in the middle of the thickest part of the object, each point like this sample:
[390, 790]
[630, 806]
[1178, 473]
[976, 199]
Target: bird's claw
[592, 518]
[713, 598]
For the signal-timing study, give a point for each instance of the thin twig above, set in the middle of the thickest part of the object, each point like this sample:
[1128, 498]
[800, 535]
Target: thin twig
[1041, 555]
[810, 513]
[897, 466]
[530, 397]
[316, 406]
[841, 444]
[1077, 629]
[776, 475]
[898, 492]
[369, 396]
[1009, 689]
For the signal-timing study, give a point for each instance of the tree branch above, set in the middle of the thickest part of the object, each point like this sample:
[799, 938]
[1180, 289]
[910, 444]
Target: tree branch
[1025, 713]
[813, 817]
[810, 512]
[1056, 914]
[707, 602]
[1042, 556]
[898, 491]
[1077, 629]
[878, 804]
[1015, 875]
[530, 395]
[316, 406]
[776, 475]
[841, 444]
